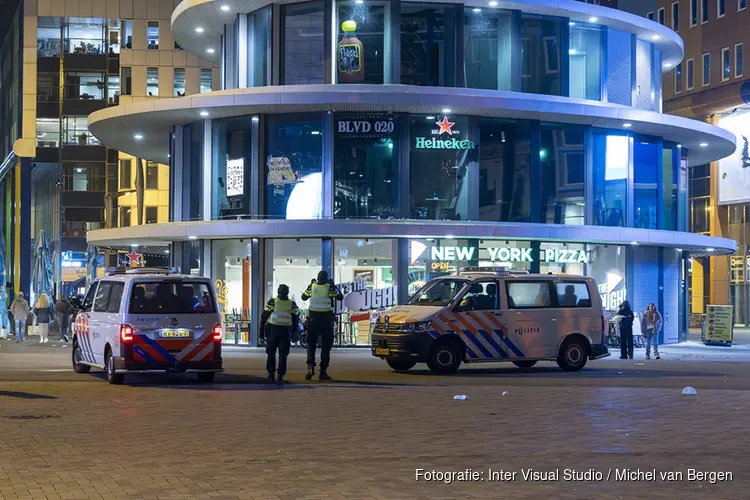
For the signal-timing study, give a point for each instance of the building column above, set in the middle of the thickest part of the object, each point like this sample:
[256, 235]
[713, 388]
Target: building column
[22, 236]
[207, 170]
[176, 170]
[400, 253]
[242, 52]
[719, 227]
[328, 187]
[256, 292]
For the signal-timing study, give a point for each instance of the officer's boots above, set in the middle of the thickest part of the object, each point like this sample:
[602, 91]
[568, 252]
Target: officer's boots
[310, 372]
[324, 374]
[270, 379]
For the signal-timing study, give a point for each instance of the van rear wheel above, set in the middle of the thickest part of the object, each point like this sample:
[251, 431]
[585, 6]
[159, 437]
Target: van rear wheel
[524, 364]
[109, 362]
[206, 377]
[77, 357]
[573, 355]
[445, 357]
[401, 364]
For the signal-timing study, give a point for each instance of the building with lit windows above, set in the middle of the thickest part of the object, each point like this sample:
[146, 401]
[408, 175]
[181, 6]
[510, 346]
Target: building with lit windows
[392, 142]
[64, 61]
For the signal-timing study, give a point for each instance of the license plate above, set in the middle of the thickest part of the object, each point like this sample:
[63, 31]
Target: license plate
[174, 334]
[382, 352]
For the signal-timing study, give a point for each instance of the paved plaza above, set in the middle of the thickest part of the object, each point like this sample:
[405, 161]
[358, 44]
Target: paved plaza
[69, 436]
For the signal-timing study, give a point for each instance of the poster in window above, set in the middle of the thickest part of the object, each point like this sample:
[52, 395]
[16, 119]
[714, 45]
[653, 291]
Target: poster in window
[350, 61]
[365, 275]
[280, 171]
[236, 177]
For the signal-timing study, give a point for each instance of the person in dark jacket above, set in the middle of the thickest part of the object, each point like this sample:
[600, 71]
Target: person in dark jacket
[321, 293]
[62, 313]
[280, 317]
[626, 330]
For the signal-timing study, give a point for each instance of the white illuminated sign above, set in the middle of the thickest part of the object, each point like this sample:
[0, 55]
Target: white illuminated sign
[236, 177]
[507, 254]
[734, 170]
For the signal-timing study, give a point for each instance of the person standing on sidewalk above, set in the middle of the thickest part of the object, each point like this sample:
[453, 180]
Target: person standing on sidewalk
[280, 317]
[626, 330]
[19, 308]
[43, 314]
[321, 293]
[62, 312]
[650, 327]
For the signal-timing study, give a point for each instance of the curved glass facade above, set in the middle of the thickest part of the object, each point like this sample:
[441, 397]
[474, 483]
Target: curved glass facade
[440, 45]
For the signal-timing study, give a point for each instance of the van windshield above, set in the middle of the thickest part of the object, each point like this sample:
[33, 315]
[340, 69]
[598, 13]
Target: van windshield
[437, 292]
[171, 297]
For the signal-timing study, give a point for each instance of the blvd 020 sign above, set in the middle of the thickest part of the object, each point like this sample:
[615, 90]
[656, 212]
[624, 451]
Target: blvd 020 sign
[507, 254]
[366, 127]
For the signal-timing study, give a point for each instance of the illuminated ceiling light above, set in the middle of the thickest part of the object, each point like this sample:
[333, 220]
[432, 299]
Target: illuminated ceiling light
[359, 2]
[571, 23]
[166, 251]
[655, 38]
[225, 8]
[633, 242]
[199, 30]
[493, 3]
[192, 237]
[315, 132]
[210, 50]
[134, 245]
[476, 10]
[449, 237]
[430, 118]
[627, 125]
[255, 119]
[704, 145]
[445, 111]
[138, 137]
[572, 52]
[667, 65]
[710, 249]
[593, 19]
[679, 146]
[204, 113]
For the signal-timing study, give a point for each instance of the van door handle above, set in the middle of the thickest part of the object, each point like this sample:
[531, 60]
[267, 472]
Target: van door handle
[497, 313]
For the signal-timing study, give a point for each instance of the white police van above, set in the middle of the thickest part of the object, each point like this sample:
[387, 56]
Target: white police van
[145, 320]
[486, 315]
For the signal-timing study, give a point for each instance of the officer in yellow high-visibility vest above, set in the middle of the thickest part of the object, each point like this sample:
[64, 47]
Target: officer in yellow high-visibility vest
[321, 294]
[281, 317]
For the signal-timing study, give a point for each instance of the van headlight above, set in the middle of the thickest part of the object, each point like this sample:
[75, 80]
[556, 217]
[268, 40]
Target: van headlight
[422, 327]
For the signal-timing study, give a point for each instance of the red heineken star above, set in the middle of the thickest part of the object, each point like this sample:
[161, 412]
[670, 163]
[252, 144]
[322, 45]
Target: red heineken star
[134, 257]
[445, 126]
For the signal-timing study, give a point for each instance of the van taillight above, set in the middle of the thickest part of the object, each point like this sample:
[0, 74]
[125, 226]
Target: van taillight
[126, 334]
[217, 332]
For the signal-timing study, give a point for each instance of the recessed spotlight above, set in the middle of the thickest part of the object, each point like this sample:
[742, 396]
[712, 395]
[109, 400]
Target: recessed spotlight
[679, 146]
[255, 119]
[199, 30]
[593, 19]
[445, 111]
[134, 245]
[192, 237]
[710, 249]
[667, 65]
[449, 237]
[315, 132]
[571, 23]
[430, 117]
[493, 3]
[359, 2]
[166, 251]
[225, 8]
[138, 137]
[633, 242]
[655, 38]
[704, 145]
[476, 10]
[204, 113]
[627, 125]
[210, 51]
[572, 52]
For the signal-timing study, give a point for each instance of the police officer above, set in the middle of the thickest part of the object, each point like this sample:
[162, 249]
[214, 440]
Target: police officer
[321, 293]
[280, 316]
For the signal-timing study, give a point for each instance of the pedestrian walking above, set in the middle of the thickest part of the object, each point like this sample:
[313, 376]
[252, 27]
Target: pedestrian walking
[626, 317]
[43, 313]
[321, 293]
[62, 313]
[279, 319]
[650, 328]
[19, 308]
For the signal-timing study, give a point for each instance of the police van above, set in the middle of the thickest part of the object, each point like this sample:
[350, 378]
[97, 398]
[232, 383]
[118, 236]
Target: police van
[485, 315]
[145, 320]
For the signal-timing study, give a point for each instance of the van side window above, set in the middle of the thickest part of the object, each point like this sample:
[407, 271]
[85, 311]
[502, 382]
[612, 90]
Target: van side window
[88, 300]
[573, 294]
[102, 297]
[481, 296]
[528, 294]
[113, 305]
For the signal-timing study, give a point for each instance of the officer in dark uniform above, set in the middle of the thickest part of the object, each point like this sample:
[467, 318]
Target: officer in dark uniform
[281, 317]
[321, 293]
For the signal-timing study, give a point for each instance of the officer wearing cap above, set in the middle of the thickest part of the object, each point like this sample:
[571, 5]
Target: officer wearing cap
[281, 317]
[321, 294]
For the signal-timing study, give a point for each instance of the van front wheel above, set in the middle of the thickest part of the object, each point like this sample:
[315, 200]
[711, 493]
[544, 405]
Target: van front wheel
[445, 357]
[573, 355]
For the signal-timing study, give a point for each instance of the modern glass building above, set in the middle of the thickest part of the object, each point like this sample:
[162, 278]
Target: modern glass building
[392, 142]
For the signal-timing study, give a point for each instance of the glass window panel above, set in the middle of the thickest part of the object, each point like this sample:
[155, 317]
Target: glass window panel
[296, 262]
[126, 174]
[739, 61]
[232, 163]
[504, 170]
[76, 131]
[206, 79]
[528, 294]
[127, 80]
[427, 41]
[646, 194]
[645, 85]
[542, 37]
[360, 50]
[573, 294]
[152, 215]
[152, 175]
[706, 69]
[47, 132]
[678, 79]
[85, 85]
[152, 82]
[294, 174]
[127, 33]
[48, 39]
[179, 82]
[443, 158]
[152, 34]
[84, 38]
[611, 165]
[303, 43]
[488, 49]
[231, 271]
[258, 31]
[585, 60]
[102, 297]
[562, 164]
[608, 268]
[690, 74]
[726, 64]
[365, 166]
[670, 187]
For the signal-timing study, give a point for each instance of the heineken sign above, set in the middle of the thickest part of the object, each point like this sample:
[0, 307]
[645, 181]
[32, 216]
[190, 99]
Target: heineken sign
[507, 254]
[442, 142]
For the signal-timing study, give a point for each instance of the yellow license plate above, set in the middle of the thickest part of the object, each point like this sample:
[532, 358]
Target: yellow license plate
[382, 352]
[174, 334]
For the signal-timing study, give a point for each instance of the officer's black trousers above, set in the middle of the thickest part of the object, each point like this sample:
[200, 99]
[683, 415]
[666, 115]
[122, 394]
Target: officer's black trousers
[277, 337]
[320, 326]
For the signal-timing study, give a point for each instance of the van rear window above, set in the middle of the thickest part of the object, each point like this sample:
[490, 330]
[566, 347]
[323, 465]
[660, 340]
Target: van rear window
[171, 297]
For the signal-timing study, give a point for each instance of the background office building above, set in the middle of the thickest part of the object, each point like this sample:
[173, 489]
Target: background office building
[394, 142]
[71, 59]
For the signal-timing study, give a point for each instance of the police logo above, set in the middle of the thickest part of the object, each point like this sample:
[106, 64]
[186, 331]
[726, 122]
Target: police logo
[174, 321]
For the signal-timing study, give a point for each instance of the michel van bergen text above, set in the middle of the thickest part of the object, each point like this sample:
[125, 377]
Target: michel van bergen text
[534, 475]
